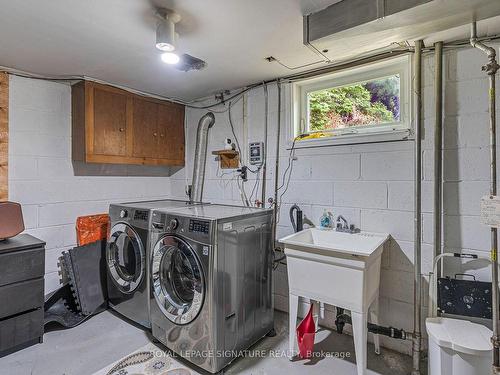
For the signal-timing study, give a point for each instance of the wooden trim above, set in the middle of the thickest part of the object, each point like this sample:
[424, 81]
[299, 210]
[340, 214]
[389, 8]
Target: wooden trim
[89, 118]
[107, 159]
[130, 127]
[4, 136]
[78, 121]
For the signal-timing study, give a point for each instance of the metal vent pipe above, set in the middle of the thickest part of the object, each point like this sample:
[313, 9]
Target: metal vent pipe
[200, 157]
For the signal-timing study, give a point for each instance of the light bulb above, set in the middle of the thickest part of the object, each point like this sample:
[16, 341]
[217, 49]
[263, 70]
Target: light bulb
[166, 47]
[170, 58]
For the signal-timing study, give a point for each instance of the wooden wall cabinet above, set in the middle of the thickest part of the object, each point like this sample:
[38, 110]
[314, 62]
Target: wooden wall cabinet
[111, 125]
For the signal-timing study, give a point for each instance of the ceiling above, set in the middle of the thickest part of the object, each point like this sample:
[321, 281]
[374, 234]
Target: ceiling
[114, 41]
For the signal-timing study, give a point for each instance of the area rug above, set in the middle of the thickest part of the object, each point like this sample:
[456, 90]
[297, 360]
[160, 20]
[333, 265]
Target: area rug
[148, 360]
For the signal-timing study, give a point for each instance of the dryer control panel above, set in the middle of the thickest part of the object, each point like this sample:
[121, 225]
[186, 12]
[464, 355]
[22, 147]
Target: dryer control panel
[199, 226]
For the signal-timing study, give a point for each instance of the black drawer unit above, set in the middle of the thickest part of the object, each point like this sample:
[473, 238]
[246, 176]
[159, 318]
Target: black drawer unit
[22, 268]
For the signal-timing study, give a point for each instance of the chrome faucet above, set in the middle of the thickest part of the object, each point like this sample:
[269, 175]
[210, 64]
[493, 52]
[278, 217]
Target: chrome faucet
[343, 226]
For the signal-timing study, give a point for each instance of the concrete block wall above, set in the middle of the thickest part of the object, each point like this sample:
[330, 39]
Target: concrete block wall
[372, 184]
[42, 177]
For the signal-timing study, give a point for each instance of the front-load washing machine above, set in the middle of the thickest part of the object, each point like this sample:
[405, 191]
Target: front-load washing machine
[211, 281]
[127, 252]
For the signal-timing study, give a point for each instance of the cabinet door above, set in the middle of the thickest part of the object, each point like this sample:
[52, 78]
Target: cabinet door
[109, 128]
[171, 131]
[145, 120]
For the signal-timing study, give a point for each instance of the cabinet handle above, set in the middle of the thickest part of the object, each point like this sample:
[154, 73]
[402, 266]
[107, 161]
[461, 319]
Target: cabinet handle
[162, 135]
[122, 130]
[155, 134]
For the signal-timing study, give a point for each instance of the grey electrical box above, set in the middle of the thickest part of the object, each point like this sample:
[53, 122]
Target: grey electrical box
[256, 153]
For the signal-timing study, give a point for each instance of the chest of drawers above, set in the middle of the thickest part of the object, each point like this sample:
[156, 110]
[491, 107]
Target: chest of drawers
[22, 268]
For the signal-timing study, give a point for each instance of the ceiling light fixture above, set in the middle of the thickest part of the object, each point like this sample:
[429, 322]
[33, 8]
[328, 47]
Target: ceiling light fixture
[166, 41]
[170, 58]
[166, 37]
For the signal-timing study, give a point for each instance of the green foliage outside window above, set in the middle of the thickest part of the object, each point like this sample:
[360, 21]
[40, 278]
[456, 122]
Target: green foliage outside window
[370, 103]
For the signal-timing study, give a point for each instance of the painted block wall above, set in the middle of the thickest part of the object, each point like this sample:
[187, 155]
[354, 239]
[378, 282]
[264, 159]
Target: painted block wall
[42, 177]
[372, 184]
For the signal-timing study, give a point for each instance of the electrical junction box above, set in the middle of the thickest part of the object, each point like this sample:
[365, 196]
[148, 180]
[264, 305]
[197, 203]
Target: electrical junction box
[256, 153]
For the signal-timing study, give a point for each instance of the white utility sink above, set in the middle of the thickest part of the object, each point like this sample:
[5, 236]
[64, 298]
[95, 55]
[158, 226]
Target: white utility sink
[329, 242]
[338, 268]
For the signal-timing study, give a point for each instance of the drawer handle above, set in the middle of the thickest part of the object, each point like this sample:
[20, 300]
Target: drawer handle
[122, 130]
[155, 134]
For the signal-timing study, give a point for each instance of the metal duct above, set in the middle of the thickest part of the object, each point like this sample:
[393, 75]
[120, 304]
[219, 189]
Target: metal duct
[200, 157]
[352, 27]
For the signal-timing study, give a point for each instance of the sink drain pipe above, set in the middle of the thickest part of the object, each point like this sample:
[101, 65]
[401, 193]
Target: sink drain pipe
[417, 286]
[491, 69]
[395, 333]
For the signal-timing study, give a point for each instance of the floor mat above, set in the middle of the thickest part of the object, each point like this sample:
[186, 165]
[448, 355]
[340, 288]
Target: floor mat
[148, 360]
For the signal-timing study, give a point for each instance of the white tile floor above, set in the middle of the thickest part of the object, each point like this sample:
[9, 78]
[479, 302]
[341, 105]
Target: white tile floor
[105, 339]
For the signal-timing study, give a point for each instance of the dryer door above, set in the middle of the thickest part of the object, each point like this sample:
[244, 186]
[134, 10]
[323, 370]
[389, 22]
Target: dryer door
[177, 279]
[126, 258]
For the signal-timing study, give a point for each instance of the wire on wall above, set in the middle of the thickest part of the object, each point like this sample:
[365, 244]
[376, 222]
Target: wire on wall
[264, 161]
[286, 184]
[232, 128]
[462, 43]
[255, 188]
[272, 58]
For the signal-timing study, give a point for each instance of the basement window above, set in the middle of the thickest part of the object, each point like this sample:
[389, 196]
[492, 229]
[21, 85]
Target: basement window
[360, 105]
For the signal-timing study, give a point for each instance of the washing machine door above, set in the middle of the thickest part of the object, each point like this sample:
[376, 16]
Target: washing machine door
[177, 279]
[126, 258]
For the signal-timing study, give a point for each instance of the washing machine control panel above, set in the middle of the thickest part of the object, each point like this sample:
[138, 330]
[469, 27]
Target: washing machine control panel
[199, 226]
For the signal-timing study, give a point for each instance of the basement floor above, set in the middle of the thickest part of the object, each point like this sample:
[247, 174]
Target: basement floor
[106, 338]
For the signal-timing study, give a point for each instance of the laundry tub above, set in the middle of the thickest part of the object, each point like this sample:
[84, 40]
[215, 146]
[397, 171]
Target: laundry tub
[458, 347]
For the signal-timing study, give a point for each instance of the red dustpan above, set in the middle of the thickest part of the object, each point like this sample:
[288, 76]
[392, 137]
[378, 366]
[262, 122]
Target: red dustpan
[305, 335]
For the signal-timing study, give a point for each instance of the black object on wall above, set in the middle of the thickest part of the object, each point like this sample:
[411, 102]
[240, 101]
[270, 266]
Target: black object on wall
[298, 220]
[464, 297]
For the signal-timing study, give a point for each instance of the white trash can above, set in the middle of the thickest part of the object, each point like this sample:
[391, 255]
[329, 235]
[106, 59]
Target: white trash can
[458, 347]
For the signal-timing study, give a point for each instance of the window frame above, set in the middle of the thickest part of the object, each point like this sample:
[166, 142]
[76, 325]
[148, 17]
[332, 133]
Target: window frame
[401, 130]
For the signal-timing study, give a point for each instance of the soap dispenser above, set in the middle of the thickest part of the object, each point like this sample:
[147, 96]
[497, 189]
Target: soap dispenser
[326, 220]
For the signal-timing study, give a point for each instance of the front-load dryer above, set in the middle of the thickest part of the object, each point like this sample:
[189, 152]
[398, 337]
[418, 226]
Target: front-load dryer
[127, 252]
[211, 281]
